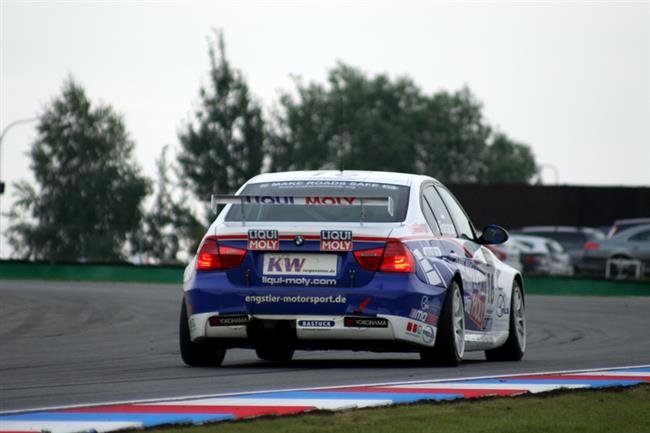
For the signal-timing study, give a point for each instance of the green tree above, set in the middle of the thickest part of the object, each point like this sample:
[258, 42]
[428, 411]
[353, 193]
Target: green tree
[222, 147]
[168, 224]
[508, 161]
[88, 193]
[379, 123]
[354, 122]
[452, 137]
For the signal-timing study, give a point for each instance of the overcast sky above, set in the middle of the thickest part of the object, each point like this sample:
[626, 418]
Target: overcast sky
[571, 80]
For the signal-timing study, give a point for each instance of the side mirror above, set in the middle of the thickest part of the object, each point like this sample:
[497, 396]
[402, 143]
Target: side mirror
[493, 235]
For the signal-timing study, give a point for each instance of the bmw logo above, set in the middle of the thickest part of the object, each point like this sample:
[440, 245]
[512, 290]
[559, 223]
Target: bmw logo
[298, 240]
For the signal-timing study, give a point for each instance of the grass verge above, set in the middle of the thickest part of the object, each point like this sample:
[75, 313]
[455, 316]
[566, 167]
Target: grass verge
[620, 410]
[115, 273]
[536, 285]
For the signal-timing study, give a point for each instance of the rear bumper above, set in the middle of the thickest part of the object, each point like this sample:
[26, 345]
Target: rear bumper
[323, 328]
[409, 306]
[593, 266]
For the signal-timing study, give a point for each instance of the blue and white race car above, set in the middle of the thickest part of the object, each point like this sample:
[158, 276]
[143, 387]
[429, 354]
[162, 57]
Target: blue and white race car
[349, 260]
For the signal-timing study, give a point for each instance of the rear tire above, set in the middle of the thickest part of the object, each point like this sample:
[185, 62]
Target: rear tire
[277, 354]
[197, 354]
[449, 347]
[515, 346]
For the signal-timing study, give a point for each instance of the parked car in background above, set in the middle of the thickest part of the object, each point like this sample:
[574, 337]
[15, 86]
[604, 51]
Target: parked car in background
[621, 225]
[625, 255]
[572, 239]
[509, 253]
[543, 256]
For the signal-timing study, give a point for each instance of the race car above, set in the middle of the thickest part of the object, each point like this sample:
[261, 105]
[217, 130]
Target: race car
[349, 260]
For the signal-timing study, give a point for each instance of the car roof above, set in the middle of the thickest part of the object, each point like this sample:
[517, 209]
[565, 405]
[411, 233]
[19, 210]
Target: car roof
[405, 179]
[565, 229]
[532, 239]
[632, 221]
[527, 237]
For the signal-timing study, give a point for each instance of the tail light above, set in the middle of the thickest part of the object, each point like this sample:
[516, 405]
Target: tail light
[591, 245]
[369, 259]
[397, 258]
[394, 257]
[215, 257]
[534, 259]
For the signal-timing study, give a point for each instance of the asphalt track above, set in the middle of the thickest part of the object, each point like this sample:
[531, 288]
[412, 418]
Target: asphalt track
[79, 343]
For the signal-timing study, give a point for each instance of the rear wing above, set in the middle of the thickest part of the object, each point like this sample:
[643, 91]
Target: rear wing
[243, 200]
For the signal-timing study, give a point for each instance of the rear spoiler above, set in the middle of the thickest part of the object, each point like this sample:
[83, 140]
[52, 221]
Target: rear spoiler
[243, 200]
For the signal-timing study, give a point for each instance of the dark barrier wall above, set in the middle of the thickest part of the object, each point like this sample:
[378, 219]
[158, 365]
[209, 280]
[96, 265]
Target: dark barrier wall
[514, 206]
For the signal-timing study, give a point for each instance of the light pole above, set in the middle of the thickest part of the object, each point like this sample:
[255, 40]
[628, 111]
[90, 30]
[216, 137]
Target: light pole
[553, 168]
[2, 136]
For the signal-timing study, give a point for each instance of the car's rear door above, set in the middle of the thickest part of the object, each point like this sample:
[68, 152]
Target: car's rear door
[479, 272]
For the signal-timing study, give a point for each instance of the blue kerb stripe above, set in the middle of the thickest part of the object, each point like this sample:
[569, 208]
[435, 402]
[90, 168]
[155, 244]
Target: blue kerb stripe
[147, 419]
[591, 382]
[631, 370]
[395, 397]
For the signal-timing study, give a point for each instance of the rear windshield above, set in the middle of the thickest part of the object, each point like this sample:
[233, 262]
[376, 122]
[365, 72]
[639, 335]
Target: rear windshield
[528, 245]
[624, 226]
[554, 247]
[326, 213]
